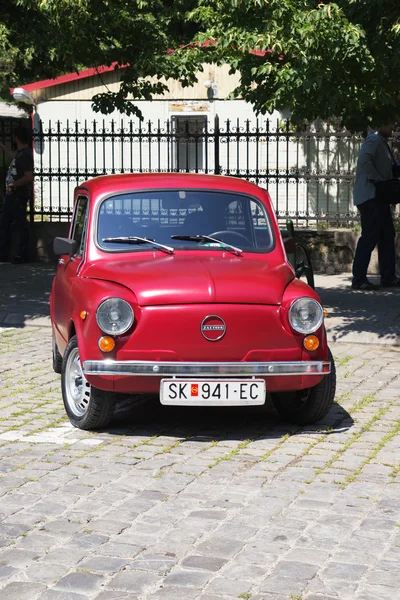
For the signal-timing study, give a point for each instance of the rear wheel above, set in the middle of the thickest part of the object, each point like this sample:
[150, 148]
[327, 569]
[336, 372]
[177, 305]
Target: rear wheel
[87, 407]
[309, 405]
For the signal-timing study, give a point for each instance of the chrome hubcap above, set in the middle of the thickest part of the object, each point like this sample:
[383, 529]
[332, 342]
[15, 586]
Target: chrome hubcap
[77, 389]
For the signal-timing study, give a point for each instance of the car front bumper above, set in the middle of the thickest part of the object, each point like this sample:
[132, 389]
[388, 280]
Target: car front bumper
[204, 369]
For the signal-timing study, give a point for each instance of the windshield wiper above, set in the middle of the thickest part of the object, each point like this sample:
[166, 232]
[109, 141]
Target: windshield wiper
[138, 240]
[207, 238]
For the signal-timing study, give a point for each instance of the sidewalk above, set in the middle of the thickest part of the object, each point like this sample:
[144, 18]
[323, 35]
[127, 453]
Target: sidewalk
[24, 294]
[371, 318]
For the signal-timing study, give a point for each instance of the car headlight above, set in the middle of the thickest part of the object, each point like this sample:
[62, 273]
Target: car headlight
[114, 316]
[306, 315]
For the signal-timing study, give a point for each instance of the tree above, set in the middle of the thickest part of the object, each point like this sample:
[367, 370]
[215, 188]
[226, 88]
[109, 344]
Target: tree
[321, 59]
[46, 38]
[334, 59]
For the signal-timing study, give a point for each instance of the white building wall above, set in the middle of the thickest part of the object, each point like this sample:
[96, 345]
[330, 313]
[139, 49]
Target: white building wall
[84, 88]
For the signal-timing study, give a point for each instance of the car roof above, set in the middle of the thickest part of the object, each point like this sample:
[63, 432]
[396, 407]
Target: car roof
[106, 184]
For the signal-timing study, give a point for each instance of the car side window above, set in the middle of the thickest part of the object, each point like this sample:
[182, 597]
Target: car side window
[262, 228]
[80, 223]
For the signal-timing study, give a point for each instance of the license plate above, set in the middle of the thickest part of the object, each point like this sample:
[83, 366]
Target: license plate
[205, 392]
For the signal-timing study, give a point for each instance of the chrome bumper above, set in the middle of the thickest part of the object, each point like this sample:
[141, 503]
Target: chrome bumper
[204, 369]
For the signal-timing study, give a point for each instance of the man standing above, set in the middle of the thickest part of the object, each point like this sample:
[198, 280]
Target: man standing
[18, 191]
[374, 164]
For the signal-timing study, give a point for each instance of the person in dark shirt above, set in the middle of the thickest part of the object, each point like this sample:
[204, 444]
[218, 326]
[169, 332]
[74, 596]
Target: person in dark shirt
[19, 180]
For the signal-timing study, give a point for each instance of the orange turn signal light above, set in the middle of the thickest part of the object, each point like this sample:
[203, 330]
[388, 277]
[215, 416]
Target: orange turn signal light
[326, 314]
[83, 314]
[311, 342]
[106, 343]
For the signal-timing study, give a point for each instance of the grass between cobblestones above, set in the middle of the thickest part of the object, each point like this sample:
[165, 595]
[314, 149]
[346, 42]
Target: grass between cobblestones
[389, 436]
[354, 438]
[395, 472]
[274, 509]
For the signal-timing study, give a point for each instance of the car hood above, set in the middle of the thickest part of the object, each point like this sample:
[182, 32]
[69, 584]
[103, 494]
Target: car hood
[180, 279]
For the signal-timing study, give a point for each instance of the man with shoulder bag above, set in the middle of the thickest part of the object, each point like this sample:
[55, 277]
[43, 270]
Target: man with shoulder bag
[375, 190]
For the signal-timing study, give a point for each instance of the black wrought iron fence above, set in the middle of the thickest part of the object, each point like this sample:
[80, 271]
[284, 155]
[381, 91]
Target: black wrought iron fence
[309, 174]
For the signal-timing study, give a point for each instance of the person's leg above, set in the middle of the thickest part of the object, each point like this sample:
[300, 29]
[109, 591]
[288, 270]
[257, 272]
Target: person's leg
[23, 227]
[371, 219]
[386, 249]
[6, 218]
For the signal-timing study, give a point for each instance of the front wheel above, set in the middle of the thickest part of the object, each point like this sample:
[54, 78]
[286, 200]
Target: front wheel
[56, 356]
[309, 405]
[87, 407]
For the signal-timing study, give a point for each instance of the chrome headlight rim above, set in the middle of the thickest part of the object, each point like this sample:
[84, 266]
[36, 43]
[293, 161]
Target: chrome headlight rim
[315, 327]
[126, 327]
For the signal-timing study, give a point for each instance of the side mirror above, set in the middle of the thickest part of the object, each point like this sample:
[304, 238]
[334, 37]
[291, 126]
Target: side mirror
[290, 245]
[64, 246]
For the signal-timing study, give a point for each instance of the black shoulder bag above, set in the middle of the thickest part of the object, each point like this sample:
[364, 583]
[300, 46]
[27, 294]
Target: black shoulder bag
[388, 191]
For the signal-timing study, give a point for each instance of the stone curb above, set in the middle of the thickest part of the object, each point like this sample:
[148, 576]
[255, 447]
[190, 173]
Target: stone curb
[16, 319]
[362, 337]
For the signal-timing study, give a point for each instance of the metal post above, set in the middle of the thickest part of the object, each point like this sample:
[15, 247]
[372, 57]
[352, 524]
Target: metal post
[32, 195]
[217, 168]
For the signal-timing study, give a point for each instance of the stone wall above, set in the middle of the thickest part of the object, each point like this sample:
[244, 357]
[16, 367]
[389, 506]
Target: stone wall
[41, 242]
[332, 251]
[43, 236]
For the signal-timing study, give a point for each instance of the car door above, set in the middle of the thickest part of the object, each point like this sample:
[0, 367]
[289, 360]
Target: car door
[68, 269]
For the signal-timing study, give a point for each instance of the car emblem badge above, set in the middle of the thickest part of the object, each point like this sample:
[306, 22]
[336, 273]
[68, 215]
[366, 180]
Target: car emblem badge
[213, 328]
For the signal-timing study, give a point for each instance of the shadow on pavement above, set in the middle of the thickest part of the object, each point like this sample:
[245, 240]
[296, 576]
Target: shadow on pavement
[356, 316]
[149, 418]
[24, 293]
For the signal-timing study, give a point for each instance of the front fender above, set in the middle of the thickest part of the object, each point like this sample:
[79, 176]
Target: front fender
[89, 294]
[58, 338]
[298, 289]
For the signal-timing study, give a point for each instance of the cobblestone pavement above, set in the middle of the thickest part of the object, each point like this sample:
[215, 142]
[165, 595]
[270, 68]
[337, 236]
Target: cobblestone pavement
[192, 504]
[359, 317]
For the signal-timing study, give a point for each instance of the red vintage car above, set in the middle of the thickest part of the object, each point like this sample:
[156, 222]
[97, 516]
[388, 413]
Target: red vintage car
[179, 285]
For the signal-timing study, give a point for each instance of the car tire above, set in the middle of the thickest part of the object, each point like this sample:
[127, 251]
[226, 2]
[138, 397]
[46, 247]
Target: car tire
[309, 405]
[87, 407]
[57, 358]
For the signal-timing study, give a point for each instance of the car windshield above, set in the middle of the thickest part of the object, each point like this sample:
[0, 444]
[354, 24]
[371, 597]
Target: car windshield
[175, 217]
